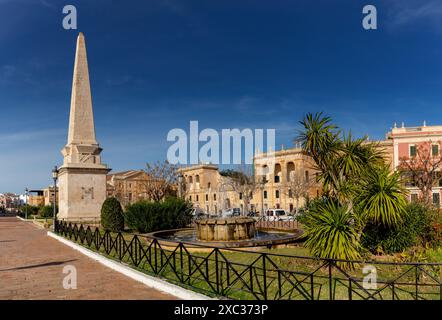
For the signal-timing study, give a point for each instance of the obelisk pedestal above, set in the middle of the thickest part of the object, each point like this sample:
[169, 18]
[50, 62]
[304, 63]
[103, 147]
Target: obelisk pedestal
[82, 177]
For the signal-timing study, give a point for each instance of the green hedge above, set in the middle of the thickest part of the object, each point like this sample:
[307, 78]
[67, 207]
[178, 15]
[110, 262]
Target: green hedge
[147, 216]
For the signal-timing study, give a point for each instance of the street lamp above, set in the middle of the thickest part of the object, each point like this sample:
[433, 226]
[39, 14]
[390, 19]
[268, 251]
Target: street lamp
[55, 177]
[26, 203]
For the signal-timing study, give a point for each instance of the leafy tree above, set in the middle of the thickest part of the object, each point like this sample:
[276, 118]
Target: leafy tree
[112, 215]
[46, 211]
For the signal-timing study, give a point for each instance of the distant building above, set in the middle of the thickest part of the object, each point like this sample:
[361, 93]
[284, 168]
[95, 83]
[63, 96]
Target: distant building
[127, 186]
[48, 194]
[203, 186]
[406, 143]
[9, 201]
[36, 198]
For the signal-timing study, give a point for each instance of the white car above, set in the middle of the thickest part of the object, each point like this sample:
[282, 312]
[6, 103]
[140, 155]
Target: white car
[233, 212]
[277, 215]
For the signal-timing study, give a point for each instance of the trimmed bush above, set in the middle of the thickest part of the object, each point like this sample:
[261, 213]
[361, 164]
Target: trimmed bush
[147, 216]
[112, 215]
[421, 226]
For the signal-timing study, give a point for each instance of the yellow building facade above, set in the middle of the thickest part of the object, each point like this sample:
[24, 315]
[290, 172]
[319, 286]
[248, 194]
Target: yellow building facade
[285, 179]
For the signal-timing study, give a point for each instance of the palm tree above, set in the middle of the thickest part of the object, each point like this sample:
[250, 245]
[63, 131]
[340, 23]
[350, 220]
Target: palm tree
[330, 232]
[357, 183]
[382, 200]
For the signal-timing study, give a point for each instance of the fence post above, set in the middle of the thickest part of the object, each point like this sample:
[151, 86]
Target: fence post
[330, 284]
[216, 270]
[264, 274]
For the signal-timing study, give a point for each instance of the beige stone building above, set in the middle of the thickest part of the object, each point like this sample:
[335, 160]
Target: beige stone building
[285, 179]
[289, 178]
[202, 186]
[48, 195]
[36, 198]
[127, 186]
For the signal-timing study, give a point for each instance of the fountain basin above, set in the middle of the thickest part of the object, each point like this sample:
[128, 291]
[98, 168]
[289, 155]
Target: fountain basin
[225, 229]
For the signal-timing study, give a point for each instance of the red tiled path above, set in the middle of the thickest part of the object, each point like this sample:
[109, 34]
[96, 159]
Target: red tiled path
[31, 267]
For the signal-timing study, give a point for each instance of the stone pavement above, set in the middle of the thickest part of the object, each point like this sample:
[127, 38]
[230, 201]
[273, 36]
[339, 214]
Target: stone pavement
[31, 267]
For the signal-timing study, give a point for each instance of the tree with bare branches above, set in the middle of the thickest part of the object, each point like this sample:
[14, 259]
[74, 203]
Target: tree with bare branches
[161, 181]
[242, 181]
[422, 169]
[298, 186]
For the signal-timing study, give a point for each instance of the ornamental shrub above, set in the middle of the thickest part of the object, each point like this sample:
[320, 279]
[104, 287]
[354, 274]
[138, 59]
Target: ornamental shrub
[46, 211]
[148, 216]
[421, 227]
[112, 217]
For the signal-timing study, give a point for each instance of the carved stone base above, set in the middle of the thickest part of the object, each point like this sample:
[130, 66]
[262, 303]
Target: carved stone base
[82, 192]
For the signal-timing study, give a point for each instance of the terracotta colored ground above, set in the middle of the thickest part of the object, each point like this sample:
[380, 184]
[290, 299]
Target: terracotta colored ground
[31, 267]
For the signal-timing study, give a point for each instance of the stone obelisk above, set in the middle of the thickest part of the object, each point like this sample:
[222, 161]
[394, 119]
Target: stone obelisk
[82, 177]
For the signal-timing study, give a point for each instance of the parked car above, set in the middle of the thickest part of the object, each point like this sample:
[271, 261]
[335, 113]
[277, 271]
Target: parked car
[277, 215]
[252, 214]
[233, 212]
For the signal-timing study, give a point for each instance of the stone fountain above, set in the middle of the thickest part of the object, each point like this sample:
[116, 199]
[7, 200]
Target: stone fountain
[226, 233]
[225, 229]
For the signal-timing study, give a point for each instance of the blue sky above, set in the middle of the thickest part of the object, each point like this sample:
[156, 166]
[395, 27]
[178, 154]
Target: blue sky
[155, 65]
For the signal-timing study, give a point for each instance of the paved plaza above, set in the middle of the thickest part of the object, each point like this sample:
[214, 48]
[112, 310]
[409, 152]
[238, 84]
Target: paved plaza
[31, 267]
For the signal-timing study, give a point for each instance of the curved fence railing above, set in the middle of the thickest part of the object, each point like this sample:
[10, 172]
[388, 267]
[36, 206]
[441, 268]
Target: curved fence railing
[242, 274]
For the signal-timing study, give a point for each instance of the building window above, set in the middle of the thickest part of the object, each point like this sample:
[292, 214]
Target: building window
[207, 197]
[306, 175]
[436, 199]
[412, 150]
[265, 194]
[190, 198]
[413, 197]
[277, 194]
[208, 185]
[214, 197]
[290, 193]
[197, 198]
[435, 150]
[276, 179]
[240, 196]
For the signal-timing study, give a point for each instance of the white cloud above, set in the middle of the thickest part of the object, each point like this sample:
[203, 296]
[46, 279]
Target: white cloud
[404, 13]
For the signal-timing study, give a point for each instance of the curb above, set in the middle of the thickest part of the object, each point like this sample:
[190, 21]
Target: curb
[136, 275]
[20, 218]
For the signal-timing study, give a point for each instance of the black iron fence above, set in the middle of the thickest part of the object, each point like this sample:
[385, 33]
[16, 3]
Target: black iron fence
[241, 274]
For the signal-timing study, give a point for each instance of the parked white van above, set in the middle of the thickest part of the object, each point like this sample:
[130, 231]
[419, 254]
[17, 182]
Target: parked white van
[277, 215]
